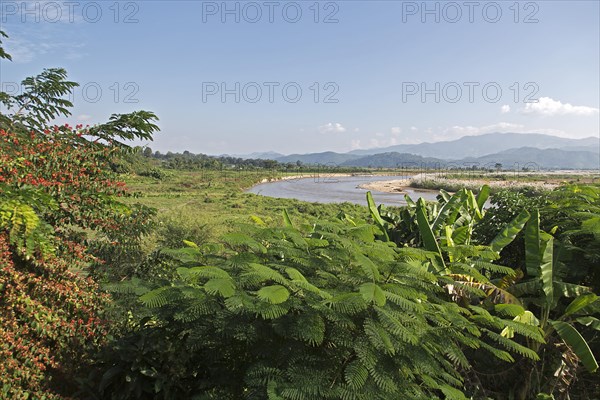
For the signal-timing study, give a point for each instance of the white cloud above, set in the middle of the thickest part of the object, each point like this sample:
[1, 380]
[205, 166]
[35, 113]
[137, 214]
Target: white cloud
[505, 109]
[355, 144]
[396, 130]
[383, 142]
[51, 11]
[24, 50]
[456, 132]
[501, 127]
[332, 128]
[377, 140]
[74, 55]
[438, 134]
[21, 51]
[84, 117]
[414, 128]
[549, 107]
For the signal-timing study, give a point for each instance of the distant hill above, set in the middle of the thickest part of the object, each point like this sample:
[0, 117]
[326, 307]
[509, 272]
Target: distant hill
[593, 149]
[528, 157]
[395, 160]
[267, 155]
[541, 158]
[508, 149]
[481, 145]
[328, 157]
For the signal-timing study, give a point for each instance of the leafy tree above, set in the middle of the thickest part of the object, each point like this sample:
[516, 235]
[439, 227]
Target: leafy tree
[57, 198]
[42, 100]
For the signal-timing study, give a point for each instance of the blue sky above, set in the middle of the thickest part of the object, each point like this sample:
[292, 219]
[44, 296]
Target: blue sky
[371, 73]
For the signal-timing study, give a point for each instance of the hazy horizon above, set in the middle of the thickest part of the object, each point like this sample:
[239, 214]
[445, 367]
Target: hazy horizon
[297, 77]
[425, 142]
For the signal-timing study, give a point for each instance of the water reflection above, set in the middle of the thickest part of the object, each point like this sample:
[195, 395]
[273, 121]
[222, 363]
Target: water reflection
[337, 189]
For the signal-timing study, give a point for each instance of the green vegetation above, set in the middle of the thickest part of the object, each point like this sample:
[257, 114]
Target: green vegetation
[128, 275]
[216, 200]
[321, 311]
[59, 208]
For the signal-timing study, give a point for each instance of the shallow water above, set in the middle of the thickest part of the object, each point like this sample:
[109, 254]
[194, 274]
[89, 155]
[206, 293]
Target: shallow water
[330, 189]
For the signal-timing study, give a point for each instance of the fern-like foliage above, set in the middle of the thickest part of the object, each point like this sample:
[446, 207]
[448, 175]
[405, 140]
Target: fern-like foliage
[324, 313]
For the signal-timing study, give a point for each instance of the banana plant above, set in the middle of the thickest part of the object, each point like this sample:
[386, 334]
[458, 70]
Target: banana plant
[533, 295]
[445, 230]
[543, 291]
[540, 305]
[461, 211]
[467, 263]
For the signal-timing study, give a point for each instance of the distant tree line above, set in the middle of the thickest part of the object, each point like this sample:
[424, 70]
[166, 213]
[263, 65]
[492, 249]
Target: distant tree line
[191, 161]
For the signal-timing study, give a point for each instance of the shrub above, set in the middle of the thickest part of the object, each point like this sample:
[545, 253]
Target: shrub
[156, 173]
[280, 313]
[49, 315]
[56, 196]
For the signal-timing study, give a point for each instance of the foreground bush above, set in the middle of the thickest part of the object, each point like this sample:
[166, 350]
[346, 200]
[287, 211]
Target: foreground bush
[542, 278]
[316, 313]
[56, 197]
[49, 315]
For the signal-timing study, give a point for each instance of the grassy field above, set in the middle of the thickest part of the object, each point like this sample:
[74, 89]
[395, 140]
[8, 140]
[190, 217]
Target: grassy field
[216, 203]
[203, 205]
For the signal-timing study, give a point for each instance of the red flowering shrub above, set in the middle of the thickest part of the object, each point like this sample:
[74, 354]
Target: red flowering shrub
[69, 168]
[59, 216]
[57, 197]
[48, 316]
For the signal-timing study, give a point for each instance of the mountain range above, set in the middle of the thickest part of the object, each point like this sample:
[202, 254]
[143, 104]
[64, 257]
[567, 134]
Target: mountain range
[482, 145]
[533, 150]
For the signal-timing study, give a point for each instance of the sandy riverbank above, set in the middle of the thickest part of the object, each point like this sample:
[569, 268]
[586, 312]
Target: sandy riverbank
[395, 186]
[400, 185]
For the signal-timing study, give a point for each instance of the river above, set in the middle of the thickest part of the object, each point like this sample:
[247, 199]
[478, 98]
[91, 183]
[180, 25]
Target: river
[337, 189]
